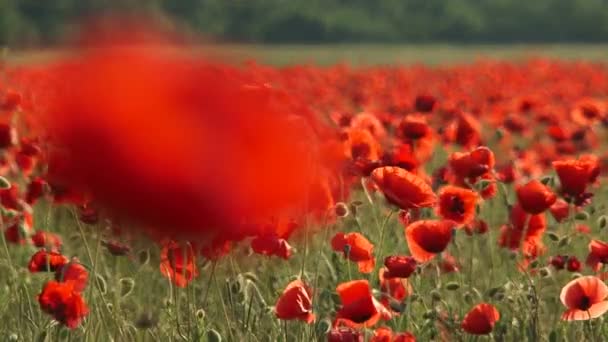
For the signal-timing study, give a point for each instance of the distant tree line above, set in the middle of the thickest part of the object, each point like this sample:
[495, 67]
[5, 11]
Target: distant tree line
[25, 22]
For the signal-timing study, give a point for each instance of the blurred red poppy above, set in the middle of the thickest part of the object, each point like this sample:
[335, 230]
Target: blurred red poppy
[573, 264]
[535, 197]
[359, 307]
[472, 164]
[345, 334]
[295, 303]
[585, 298]
[356, 248]
[403, 188]
[271, 245]
[560, 210]
[44, 261]
[457, 204]
[598, 254]
[178, 263]
[63, 302]
[481, 319]
[427, 238]
[399, 266]
[73, 272]
[385, 334]
[43, 239]
[576, 174]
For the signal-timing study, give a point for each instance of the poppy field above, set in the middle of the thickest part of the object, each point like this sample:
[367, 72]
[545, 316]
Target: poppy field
[152, 196]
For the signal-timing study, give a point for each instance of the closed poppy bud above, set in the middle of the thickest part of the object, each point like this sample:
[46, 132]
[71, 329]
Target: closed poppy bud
[345, 334]
[573, 264]
[295, 303]
[399, 266]
[481, 319]
[535, 197]
[584, 298]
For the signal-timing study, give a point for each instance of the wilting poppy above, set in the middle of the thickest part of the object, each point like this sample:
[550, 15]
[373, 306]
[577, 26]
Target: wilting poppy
[457, 204]
[535, 197]
[385, 334]
[73, 272]
[356, 248]
[427, 238]
[481, 319]
[43, 261]
[359, 307]
[46, 239]
[178, 263]
[345, 334]
[403, 188]
[295, 303]
[576, 174]
[63, 302]
[585, 298]
[598, 254]
[399, 266]
[271, 245]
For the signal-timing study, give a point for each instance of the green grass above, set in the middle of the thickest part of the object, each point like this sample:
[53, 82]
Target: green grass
[373, 54]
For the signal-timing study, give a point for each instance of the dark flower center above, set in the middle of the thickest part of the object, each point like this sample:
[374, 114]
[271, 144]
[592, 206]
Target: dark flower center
[585, 303]
[457, 205]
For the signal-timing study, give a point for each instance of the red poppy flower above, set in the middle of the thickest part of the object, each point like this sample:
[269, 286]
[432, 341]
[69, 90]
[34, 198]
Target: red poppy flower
[403, 188]
[46, 239]
[178, 263]
[576, 174]
[385, 334]
[425, 103]
[583, 229]
[512, 236]
[573, 264]
[472, 164]
[295, 303]
[560, 210]
[476, 227]
[481, 319]
[414, 127]
[449, 263]
[361, 144]
[427, 238]
[43, 261]
[359, 307]
[35, 190]
[63, 302]
[457, 204]
[356, 248]
[271, 245]
[535, 197]
[73, 272]
[345, 334]
[399, 266]
[11, 101]
[393, 289]
[468, 130]
[585, 298]
[558, 262]
[598, 254]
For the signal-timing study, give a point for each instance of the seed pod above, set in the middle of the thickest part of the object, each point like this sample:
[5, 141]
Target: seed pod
[602, 222]
[435, 295]
[213, 336]
[582, 216]
[452, 286]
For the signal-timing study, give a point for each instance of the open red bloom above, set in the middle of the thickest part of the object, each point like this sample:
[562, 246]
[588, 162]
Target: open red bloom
[46, 239]
[178, 263]
[576, 174]
[457, 204]
[573, 264]
[598, 254]
[535, 197]
[345, 334]
[399, 266]
[73, 272]
[359, 307]
[403, 188]
[385, 334]
[427, 238]
[585, 298]
[271, 245]
[512, 236]
[35, 190]
[481, 319]
[43, 261]
[356, 248]
[63, 302]
[393, 289]
[472, 164]
[295, 303]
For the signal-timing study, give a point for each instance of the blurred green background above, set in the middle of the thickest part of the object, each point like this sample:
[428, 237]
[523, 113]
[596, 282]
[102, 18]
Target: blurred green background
[25, 23]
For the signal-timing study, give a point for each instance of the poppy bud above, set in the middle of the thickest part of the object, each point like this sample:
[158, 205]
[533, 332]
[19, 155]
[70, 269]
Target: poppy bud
[602, 222]
[341, 209]
[544, 272]
[435, 295]
[547, 180]
[582, 216]
[200, 314]
[4, 183]
[565, 241]
[573, 264]
[452, 286]
[101, 282]
[323, 327]
[553, 236]
[558, 261]
[143, 257]
[126, 286]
